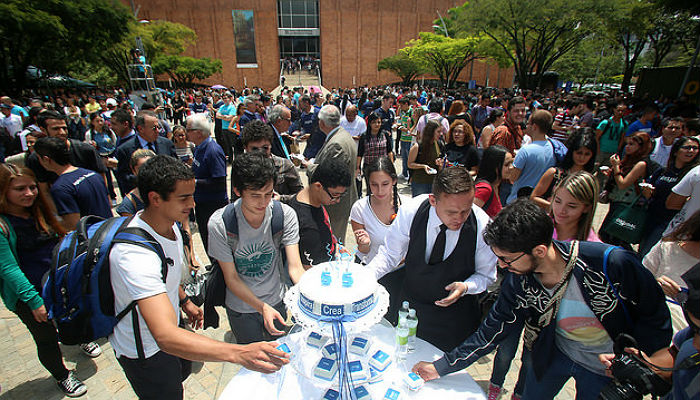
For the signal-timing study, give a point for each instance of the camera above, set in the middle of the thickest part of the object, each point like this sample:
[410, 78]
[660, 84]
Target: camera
[632, 378]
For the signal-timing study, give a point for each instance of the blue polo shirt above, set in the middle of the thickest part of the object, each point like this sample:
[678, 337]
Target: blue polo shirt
[81, 191]
[226, 109]
[209, 167]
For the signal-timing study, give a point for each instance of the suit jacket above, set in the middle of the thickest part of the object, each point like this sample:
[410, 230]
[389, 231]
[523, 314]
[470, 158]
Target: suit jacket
[340, 145]
[125, 178]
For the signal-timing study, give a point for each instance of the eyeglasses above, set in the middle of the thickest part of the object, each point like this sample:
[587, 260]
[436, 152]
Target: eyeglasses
[690, 148]
[334, 196]
[509, 263]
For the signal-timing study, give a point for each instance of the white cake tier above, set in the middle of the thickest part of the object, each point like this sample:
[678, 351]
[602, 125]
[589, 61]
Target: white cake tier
[358, 306]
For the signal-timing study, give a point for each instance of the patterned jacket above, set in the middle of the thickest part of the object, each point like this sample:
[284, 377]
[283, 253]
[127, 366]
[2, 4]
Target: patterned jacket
[522, 297]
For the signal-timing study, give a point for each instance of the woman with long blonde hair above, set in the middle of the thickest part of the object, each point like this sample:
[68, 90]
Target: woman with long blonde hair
[573, 206]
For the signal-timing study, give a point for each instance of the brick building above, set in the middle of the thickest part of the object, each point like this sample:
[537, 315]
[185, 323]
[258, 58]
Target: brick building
[348, 37]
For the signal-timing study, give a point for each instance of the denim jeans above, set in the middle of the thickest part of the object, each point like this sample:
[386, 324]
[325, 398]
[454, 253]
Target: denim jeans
[652, 237]
[418, 189]
[560, 369]
[504, 356]
[405, 149]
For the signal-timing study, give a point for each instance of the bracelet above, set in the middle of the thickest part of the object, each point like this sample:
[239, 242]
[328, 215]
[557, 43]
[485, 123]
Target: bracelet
[184, 301]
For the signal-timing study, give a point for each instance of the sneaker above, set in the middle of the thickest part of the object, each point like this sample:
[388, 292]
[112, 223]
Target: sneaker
[494, 392]
[91, 349]
[72, 386]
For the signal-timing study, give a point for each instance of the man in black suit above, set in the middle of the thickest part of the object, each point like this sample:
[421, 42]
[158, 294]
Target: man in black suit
[146, 138]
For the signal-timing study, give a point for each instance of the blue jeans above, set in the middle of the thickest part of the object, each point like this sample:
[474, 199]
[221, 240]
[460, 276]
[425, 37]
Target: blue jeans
[405, 148]
[418, 189]
[560, 369]
[504, 192]
[504, 356]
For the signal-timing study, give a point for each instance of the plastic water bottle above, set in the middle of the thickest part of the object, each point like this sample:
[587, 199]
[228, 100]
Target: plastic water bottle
[402, 338]
[403, 311]
[412, 324]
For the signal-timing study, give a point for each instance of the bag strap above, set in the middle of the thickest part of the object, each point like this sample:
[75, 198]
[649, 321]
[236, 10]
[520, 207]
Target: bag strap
[607, 278]
[488, 202]
[140, 237]
[550, 311]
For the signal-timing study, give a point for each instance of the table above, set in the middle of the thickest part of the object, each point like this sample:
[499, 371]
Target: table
[292, 381]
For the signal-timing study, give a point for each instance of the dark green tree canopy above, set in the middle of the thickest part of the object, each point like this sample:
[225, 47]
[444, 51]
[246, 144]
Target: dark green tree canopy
[52, 34]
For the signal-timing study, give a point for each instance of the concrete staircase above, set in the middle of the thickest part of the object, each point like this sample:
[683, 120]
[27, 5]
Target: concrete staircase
[300, 78]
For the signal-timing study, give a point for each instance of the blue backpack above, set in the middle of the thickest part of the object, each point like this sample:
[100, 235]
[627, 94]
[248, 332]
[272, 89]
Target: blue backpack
[77, 290]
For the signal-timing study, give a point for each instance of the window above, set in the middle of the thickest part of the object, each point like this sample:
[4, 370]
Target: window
[244, 36]
[298, 13]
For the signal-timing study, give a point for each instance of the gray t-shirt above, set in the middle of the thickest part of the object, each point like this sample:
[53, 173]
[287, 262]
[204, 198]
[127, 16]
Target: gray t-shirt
[579, 333]
[257, 261]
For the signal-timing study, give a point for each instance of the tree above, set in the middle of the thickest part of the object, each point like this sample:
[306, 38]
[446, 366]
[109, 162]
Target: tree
[595, 59]
[669, 31]
[159, 39]
[443, 56]
[185, 70]
[403, 66]
[53, 34]
[533, 34]
[630, 24]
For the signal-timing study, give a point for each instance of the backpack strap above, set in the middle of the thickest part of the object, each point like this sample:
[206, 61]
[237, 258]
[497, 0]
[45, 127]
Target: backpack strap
[490, 200]
[277, 217]
[140, 237]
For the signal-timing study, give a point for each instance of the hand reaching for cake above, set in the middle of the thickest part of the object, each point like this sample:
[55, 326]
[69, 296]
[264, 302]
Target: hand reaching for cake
[426, 371]
[269, 315]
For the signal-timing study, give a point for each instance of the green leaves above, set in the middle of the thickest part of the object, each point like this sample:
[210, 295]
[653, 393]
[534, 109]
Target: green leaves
[53, 34]
[404, 67]
[531, 34]
[185, 70]
[443, 56]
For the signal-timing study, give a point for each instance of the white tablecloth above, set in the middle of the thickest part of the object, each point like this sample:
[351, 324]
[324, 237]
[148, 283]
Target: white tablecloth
[293, 382]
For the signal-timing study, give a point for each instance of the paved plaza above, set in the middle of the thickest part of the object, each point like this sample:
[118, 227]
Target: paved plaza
[22, 377]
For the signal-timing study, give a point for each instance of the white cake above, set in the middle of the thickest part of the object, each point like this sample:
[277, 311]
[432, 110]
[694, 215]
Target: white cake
[316, 340]
[361, 393]
[392, 394]
[360, 345]
[413, 381]
[320, 298]
[326, 369]
[380, 360]
[358, 371]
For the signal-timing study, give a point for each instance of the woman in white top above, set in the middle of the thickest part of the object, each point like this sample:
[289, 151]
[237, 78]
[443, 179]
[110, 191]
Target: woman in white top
[495, 119]
[371, 217]
[670, 258]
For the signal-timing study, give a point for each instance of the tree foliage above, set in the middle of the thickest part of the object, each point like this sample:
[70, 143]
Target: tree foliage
[52, 34]
[403, 66]
[443, 56]
[159, 39]
[671, 30]
[185, 70]
[532, 34]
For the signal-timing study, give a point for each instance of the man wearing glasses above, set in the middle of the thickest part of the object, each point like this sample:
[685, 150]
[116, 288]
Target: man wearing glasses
[574, 298]
[147, 137]
[327, 185]
[447, 261]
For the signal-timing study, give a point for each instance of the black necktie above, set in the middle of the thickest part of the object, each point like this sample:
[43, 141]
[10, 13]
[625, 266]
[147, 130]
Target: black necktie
[439, 246]
[151, 147]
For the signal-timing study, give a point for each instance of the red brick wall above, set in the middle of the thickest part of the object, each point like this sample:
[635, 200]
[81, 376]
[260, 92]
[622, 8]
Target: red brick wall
[355, 35]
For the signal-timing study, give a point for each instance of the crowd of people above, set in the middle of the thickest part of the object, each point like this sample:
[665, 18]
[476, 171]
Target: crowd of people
[496, 246]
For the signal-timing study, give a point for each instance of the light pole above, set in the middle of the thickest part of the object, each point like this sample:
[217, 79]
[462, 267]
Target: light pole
[443, 28]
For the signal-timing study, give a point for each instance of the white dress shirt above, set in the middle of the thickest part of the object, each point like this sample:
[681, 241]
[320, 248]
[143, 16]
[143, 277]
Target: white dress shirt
[396, 242]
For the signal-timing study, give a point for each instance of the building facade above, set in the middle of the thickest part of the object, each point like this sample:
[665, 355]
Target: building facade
[346, 37]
